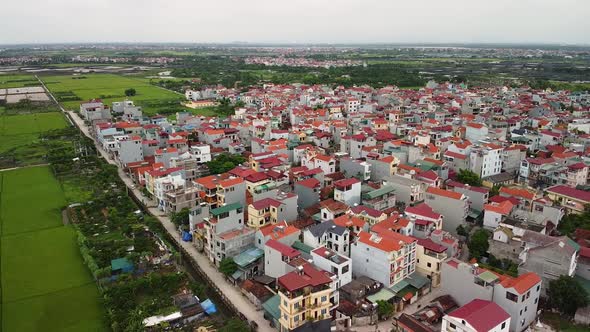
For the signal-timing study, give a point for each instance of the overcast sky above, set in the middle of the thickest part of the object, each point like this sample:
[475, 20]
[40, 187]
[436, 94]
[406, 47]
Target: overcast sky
[301, 21]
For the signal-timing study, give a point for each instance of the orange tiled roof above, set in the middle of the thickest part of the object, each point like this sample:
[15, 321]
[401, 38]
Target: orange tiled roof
[445, 193]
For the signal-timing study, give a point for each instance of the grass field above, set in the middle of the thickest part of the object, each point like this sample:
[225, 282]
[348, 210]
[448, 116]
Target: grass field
[110, 88]
[20, 130]
[45, 284]
[17, 81]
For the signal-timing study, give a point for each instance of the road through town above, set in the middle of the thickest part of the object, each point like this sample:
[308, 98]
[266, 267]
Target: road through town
[229, 291]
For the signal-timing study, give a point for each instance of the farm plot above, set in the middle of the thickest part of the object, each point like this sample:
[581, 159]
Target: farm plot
[73, 89]
[45, 284]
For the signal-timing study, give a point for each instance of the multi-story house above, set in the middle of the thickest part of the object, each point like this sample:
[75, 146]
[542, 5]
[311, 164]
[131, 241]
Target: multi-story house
[382, 168]
[408, 191]
[547, 256]
[128, 149]
[338, 265]
[519, 296]
[308, 192]
[305, 299]
[453, 206]
[573, 200]
[281, 231]
[512, 157]
[173, 193]
[225, 234]
[369, 215]
[387, 257]
[201, 152]
[353, 168]
[232, 190]
[425, 219]
[279, 258]
[348, 191]
[478, 196]
[312, 159]
[272, 210]
[330, 235]
[95, 111]
[524, 196]
[429, 259]
[380, 199]
[477, 316]
[486, 160]
[164, 156]
[494, 213]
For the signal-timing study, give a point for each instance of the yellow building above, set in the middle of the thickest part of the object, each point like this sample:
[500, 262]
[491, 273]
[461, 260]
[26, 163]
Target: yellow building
[305, 297]
[429, 258]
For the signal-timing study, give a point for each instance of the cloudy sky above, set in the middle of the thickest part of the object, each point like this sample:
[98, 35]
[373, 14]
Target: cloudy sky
[301, 21]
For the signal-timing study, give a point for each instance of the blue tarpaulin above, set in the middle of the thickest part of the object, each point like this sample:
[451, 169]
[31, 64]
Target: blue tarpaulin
[186, 236]
[209, 307]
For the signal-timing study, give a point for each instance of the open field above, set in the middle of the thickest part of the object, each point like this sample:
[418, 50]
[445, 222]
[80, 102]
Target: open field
[17, 81]
[45, 283]
[21, 130]
[71, 90]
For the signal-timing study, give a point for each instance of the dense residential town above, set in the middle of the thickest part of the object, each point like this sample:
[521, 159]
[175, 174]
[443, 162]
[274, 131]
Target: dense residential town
[300, 62]
[333, 203]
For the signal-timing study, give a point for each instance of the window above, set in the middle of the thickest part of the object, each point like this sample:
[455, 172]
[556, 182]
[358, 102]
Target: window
[453, 326]
[503, 325]
[511, 297]
[536, 300]
[296, 319]
[428, 264]
[324, 298]
[538, 288]
[323, 311]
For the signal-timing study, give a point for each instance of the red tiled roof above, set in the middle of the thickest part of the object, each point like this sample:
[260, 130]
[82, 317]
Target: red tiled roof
[522, 283]
[310, 276]
[481, 314]
[230, 182]
[455, 155]
[284, 249]
[346, 182]
[278, 230]
[361, 209]
[265, 202]
[570, 192]
[387, 241]
[348, 220]
[431, 245]
[517, 192]
[422, 210]
[503, 208]
[309, 183]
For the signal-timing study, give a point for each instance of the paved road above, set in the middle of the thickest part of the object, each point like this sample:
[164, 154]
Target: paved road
[229, 291]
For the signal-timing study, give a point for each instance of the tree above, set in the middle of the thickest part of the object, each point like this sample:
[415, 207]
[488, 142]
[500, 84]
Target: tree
[462, 231]
[478, 243]
[468, 177]
[495, 190]
[224, 162]
[130, 92]
[572, 221]
[227, 266]
[384, 309]
[180, 218]
[566, 295]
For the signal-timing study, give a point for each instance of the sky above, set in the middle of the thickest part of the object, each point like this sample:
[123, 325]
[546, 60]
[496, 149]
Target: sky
[295, 21]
